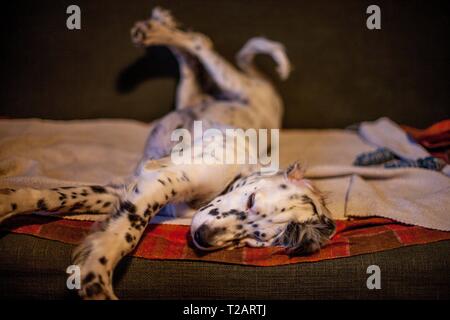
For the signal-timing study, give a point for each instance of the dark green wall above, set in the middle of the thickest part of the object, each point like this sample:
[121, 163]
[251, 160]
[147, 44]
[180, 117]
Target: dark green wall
[343, 73]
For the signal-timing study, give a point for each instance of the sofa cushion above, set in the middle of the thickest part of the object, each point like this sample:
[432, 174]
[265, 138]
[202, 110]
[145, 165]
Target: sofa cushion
[35, 268]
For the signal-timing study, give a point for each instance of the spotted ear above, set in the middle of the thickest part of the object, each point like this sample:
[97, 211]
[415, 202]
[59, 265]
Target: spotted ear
[295, 172]
[302, 238]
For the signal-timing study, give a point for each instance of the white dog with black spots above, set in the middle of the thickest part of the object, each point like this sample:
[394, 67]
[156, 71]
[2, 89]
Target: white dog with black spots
[239, 205]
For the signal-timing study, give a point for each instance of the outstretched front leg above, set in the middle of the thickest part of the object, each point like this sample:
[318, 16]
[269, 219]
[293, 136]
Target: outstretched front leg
[92, 199]
[156, 31]
[157, 184]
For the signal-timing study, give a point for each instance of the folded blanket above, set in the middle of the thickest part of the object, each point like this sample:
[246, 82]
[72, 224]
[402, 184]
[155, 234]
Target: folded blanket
[390, 138]
[38, 153]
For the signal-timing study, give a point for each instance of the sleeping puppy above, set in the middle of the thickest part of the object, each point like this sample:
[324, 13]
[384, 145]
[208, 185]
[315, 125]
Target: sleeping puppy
[238, 203]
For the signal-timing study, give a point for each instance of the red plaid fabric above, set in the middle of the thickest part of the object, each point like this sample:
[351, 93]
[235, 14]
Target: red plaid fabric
[436, 138]
[172, 242]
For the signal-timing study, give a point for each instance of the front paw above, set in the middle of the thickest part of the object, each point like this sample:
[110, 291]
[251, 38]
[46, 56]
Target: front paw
[96, 268]
[96, 285]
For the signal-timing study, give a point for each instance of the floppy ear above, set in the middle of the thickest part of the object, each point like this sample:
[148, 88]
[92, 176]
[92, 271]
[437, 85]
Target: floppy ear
[295, 172]
[306, 237]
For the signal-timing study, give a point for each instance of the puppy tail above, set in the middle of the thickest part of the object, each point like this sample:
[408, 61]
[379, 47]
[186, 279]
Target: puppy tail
[260, 45]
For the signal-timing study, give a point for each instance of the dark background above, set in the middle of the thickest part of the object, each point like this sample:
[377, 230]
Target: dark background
[343, 73]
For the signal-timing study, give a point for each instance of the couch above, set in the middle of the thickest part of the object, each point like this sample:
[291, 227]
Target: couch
[343, 74]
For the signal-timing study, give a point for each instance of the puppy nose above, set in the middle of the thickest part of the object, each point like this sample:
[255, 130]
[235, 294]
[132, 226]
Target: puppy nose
[202, 235]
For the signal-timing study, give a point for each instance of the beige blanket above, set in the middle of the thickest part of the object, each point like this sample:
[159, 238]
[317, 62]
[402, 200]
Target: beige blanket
[42, 154]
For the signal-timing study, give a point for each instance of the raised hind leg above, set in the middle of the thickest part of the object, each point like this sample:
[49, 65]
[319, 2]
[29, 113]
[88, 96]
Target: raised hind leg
[260, 45]
[156, 31]
[189, 91]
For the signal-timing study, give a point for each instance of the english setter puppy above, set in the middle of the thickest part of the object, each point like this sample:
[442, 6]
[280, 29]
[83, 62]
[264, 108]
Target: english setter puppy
[236, 204]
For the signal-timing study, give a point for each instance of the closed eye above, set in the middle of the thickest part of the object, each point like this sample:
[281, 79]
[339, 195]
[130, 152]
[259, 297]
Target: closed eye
[251, 201]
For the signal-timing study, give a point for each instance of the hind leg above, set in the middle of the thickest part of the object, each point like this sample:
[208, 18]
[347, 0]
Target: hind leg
[156, 32]
[260, 45]
[189, 91]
